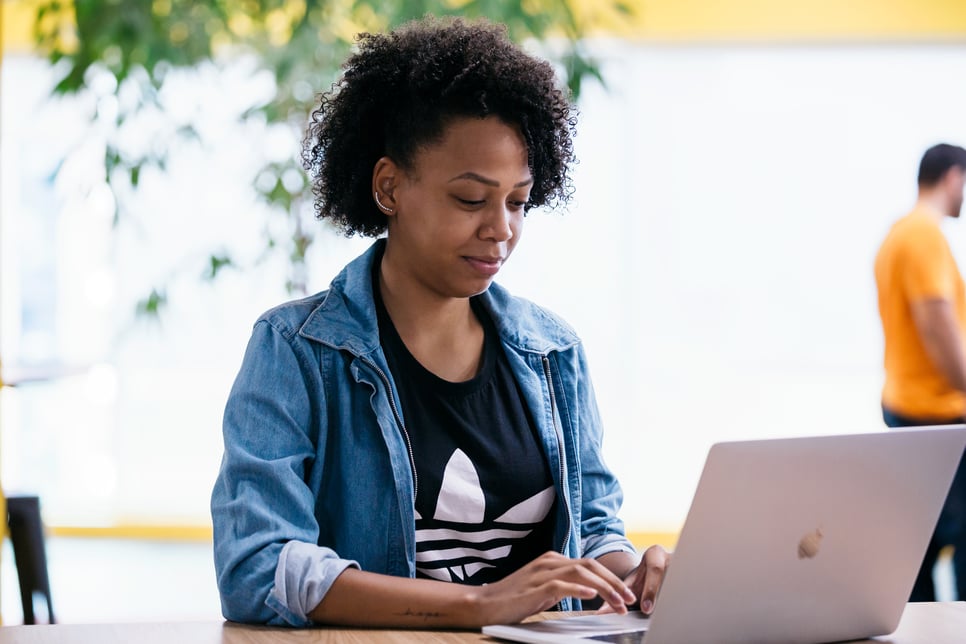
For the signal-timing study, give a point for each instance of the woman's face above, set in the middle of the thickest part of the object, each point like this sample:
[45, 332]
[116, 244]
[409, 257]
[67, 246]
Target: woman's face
[458, 213]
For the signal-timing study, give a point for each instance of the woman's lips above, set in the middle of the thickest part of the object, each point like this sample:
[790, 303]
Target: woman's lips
[485, 265]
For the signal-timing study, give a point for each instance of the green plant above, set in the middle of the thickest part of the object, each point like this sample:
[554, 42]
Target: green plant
[131, 46]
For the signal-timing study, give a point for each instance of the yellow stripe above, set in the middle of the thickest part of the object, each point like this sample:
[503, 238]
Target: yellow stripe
[795, 20]
[705, 20]
[161, 532]
[642, 540]
[17, 18]
[135, 531]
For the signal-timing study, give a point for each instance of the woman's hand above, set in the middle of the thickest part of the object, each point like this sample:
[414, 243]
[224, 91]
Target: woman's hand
[646, 578]
[547, 580]
[362, 598]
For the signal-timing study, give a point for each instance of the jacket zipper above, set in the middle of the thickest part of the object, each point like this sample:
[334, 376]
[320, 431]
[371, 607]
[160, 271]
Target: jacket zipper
[399, 421]
[560, 455]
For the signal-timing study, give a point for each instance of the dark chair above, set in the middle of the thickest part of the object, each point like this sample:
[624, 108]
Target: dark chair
[27, 537]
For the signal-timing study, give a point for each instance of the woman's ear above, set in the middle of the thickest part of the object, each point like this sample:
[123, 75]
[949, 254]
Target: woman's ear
[385, 178]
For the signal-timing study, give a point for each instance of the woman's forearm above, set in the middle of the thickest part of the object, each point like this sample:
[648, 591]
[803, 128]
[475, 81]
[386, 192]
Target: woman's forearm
[360, 598]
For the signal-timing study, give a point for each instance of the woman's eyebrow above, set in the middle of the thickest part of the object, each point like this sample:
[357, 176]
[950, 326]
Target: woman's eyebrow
[473, 176]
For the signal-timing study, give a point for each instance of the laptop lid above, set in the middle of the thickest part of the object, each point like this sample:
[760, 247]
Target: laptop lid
[809, 539]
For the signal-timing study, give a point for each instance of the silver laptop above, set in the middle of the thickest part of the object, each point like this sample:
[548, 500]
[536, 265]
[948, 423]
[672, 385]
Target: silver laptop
[813, 539]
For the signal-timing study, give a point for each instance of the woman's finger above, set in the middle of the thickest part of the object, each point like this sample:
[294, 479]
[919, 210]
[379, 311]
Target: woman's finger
[650, 576]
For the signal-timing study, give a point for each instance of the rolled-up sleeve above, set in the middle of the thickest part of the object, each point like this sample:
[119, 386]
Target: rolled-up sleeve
[302, 578]
[269, 567]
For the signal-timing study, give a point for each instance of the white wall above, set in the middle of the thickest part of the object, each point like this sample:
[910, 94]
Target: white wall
[717, 261]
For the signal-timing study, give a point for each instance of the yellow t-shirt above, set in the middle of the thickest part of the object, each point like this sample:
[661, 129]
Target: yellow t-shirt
[915, 263]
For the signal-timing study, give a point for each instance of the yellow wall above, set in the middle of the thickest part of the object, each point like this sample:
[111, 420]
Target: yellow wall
[713, 20]
[796, 20]
[15, 19]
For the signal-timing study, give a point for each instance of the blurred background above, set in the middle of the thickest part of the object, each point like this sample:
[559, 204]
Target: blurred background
[740, 162]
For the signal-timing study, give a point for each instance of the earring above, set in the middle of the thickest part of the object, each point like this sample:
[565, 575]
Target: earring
[376, 195]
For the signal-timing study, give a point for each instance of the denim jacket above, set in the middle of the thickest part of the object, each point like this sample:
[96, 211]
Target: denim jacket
[317, 473]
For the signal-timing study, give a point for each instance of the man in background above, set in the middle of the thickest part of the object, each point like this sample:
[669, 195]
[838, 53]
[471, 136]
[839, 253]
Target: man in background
[922, 303]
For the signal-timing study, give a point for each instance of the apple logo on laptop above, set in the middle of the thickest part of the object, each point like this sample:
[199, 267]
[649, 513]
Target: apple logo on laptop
[810, 543]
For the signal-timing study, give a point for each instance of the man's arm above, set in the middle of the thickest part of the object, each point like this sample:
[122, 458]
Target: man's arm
[939, 331]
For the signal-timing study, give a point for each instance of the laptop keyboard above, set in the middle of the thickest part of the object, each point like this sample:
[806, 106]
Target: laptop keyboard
[633, 637]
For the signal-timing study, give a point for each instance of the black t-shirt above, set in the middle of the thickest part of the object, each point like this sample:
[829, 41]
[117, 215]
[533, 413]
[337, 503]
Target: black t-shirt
[485, 495]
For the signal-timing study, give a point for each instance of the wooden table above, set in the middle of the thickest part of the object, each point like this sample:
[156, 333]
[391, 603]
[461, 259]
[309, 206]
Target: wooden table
[938, 623]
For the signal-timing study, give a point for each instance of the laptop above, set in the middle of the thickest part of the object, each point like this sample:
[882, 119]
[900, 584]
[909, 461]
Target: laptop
[813, 539]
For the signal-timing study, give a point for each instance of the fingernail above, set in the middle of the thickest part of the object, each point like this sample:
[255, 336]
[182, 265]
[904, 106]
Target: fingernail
[629, 595]
[647, 605]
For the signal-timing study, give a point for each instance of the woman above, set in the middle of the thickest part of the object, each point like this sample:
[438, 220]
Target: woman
[415, 446]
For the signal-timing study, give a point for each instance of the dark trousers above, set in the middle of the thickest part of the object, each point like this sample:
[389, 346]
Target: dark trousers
[951, 528]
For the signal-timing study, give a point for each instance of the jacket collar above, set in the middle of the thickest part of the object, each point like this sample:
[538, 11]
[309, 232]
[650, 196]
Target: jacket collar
[346, 317]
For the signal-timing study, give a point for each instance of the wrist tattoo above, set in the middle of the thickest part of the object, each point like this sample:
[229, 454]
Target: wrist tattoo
[425, 615]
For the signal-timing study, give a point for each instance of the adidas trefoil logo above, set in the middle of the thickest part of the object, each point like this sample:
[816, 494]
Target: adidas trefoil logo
[461, 500]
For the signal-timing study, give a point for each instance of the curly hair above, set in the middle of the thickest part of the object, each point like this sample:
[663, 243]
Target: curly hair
[399, 91]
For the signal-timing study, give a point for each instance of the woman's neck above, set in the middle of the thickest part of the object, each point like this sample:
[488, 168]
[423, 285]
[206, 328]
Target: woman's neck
[442, 333]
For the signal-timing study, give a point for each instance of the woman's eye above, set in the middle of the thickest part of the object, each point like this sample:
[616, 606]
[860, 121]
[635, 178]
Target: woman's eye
[470, 202]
